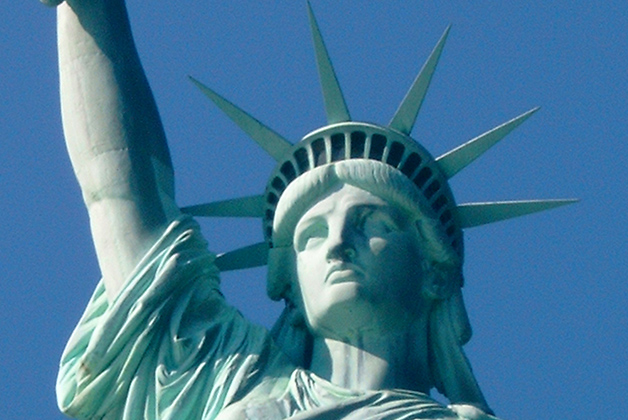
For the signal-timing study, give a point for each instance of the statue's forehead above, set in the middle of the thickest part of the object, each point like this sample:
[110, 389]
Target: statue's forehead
[343, 197]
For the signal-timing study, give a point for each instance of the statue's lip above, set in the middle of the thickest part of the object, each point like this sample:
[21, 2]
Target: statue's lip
[343, 272]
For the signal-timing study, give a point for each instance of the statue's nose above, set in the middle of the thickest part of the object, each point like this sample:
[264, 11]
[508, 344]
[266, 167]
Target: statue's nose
[341, 252]
[341, 244]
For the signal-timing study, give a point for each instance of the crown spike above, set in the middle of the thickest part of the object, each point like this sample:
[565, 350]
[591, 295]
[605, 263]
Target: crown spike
[274, 144]
[477, 214]
[255, 255]
[252, 206]
[408, 110]
[457, 159]
[335, 105]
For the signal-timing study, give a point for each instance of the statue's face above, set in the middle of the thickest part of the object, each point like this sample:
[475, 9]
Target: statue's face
[358, 265]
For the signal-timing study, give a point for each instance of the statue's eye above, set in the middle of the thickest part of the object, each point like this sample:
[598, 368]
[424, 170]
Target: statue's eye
[311, 236]
[378, 222]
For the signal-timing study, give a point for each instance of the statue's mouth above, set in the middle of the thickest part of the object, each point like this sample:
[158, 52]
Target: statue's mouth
[344, 272]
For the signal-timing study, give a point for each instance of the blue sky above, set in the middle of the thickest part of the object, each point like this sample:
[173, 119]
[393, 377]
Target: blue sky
[546, 293]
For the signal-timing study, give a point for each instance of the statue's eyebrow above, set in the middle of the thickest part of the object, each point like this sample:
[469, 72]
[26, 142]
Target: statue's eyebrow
[392, 213]
[303, 225]
[303, 230]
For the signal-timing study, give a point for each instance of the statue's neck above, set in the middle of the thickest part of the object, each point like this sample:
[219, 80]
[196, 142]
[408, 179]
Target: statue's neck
[396, 360]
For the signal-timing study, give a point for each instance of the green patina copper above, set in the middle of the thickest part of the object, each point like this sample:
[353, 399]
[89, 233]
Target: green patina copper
[363, 239]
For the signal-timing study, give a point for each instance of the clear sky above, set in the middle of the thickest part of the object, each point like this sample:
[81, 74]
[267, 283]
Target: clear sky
[547, 294]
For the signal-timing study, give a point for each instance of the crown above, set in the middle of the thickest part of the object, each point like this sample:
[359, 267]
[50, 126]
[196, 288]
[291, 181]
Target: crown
[344, 139]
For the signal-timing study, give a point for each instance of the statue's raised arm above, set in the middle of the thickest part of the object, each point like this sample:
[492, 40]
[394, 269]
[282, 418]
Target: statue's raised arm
[114, 135]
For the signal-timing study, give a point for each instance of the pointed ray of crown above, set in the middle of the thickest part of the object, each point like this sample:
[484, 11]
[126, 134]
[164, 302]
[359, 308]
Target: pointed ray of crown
[345, 139]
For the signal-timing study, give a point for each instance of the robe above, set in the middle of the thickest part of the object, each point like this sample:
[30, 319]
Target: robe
[170, 347]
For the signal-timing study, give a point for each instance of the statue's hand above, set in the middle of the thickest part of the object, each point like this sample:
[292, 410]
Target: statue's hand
[52, 3]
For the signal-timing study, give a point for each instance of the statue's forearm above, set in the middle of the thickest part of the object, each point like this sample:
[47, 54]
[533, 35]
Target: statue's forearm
[113, 133]
[106, 101]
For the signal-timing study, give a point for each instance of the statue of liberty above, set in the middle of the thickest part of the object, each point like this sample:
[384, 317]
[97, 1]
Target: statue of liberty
[363, 242]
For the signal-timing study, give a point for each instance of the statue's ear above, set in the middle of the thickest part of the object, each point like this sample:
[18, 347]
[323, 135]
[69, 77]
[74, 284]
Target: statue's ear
[294, 303]
[282, 280]
[281, 271]
[440, 280]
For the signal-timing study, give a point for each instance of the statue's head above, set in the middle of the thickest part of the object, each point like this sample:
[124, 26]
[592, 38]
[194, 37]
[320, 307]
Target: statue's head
[359, 259]
[353, 203]
[391, 199]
